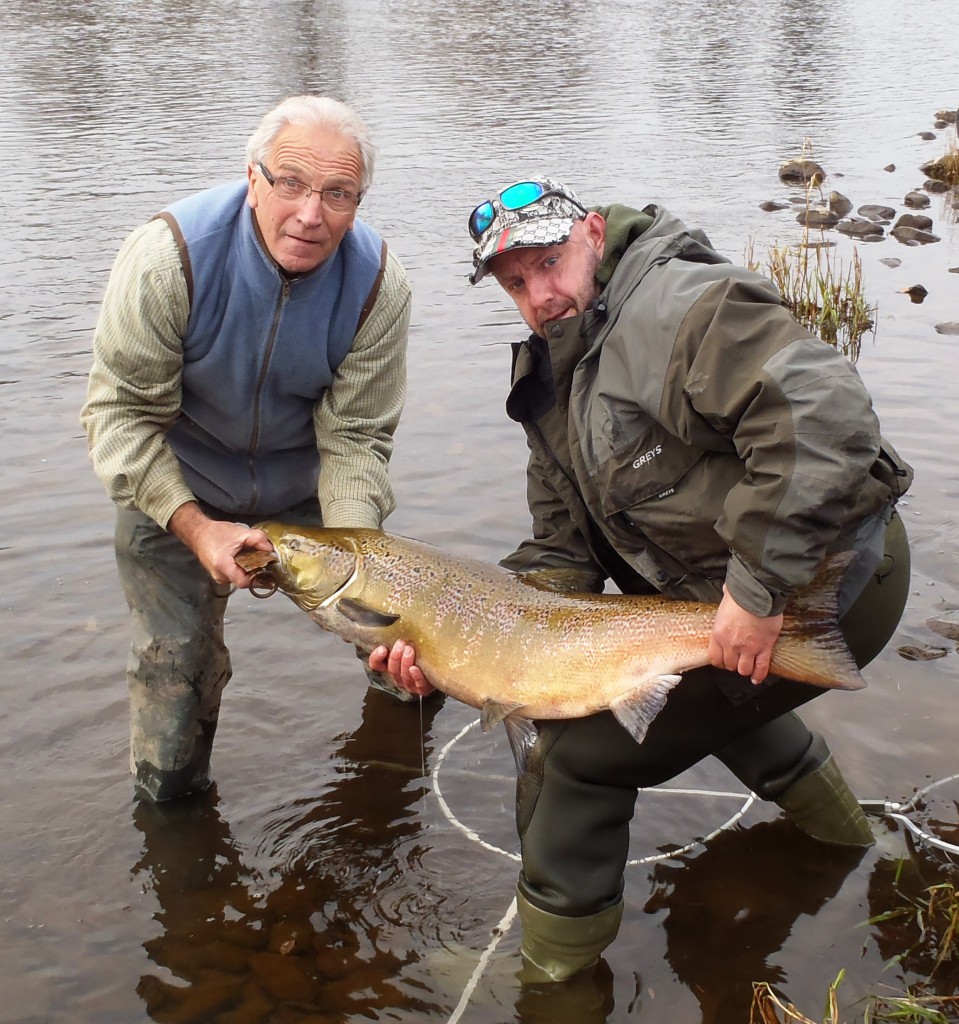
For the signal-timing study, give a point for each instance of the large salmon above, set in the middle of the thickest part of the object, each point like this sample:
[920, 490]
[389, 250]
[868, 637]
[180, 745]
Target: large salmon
[500, 643]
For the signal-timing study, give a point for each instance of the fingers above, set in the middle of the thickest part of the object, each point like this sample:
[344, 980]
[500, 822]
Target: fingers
[742, 642]
[378, 658]
[399, 661]
[760, 667]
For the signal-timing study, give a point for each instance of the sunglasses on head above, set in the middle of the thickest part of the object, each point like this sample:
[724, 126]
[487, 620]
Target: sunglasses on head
[516, 197]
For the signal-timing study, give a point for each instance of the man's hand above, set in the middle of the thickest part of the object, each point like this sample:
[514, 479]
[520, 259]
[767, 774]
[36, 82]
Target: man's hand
[216, 543]
[399, 661]
[742, 642]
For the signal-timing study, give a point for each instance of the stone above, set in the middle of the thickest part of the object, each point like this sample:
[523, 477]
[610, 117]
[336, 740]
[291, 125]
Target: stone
[857, 227]
[949, 327]
[801, 170]
[914, 220]
[839, 204]
[891, 261]
[916, 200]
[912, 236]
[872, 211]
[890, 168]
[916, 292]
[818, 217]
[927, 136]
[935, 186]
[771, 205]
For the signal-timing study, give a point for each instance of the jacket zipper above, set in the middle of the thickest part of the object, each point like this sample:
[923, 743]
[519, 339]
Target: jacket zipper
[255, 432]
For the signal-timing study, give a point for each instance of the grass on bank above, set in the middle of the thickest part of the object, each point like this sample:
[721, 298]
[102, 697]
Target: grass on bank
[935, 915]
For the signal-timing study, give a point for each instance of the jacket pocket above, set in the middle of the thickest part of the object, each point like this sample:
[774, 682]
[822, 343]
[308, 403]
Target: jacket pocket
[892, 470]
[643, 469]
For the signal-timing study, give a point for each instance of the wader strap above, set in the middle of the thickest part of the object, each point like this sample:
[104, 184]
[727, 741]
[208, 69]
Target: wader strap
[170, 221]
[374, 291]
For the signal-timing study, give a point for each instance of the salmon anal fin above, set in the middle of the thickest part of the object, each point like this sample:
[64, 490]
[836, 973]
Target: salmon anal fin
[522, 736]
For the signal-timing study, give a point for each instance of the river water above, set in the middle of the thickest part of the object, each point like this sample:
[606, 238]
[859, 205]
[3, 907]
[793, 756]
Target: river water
[356, 860]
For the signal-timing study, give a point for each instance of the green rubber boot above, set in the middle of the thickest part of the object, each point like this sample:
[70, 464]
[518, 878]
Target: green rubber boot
[823, 805]
[555, 948]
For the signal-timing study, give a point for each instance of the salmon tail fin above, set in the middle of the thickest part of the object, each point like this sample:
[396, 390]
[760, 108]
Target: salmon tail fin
[811, 647]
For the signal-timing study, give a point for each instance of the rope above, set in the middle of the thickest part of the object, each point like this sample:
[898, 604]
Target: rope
[897, 812]
[498, 932]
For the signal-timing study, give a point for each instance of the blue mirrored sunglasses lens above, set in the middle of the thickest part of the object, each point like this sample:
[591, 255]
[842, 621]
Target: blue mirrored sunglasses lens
[481, 219]
[521, 194]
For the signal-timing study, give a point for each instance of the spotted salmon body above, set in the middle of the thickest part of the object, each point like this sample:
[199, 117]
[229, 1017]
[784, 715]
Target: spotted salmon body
[498, 642]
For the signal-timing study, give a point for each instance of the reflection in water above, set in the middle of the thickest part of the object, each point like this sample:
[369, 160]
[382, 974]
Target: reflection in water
[317, 939]
[731, 908]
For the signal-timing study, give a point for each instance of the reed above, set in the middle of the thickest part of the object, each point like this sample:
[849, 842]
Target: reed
[946, 167]
[824, 295]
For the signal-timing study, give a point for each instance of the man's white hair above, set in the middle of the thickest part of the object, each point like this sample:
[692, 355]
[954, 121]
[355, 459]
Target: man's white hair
[322, 111]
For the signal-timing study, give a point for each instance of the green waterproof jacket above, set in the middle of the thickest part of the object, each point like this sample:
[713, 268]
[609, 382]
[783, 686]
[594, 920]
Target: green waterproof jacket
[686, 431]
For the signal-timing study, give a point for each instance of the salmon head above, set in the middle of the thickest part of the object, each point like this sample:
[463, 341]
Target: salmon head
[312, 564]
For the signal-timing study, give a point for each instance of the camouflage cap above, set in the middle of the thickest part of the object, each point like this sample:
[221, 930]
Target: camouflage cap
[547, 220]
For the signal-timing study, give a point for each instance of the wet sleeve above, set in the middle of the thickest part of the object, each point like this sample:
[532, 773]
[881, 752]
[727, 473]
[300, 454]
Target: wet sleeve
[556, 543]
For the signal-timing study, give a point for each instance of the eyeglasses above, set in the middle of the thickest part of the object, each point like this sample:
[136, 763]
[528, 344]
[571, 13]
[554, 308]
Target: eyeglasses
[292, 191]
[516, 197]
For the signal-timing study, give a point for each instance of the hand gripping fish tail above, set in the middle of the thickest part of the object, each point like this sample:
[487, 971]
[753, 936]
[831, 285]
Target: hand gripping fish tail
[811, 648]
[518, 651]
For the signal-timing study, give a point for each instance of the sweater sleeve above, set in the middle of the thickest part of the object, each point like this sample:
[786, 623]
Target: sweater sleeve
[358, 414]
[134, 388]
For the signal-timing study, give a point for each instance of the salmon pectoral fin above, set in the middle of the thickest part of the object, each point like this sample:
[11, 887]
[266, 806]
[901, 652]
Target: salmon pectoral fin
[636, 709]
[364, 615]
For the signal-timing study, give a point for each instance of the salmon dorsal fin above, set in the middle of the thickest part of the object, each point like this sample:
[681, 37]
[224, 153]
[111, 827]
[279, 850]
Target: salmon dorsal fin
[636, 708]
[363, 614]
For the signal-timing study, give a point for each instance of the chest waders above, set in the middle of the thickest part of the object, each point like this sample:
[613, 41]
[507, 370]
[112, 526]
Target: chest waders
[575, 803]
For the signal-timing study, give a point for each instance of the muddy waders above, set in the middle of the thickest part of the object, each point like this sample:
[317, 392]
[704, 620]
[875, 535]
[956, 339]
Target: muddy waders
[576, 799]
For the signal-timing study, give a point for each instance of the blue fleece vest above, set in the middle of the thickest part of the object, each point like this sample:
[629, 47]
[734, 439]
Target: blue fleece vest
[260, 349]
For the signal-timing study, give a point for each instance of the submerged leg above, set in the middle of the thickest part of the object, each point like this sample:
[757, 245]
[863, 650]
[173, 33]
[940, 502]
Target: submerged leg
[178, 663]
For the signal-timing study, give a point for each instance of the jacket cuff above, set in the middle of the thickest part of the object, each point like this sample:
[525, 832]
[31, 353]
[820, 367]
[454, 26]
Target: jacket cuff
[749, 593]
[348, 513]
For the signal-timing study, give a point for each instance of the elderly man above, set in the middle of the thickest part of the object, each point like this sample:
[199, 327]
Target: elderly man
[249, 361]
[687, 437]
